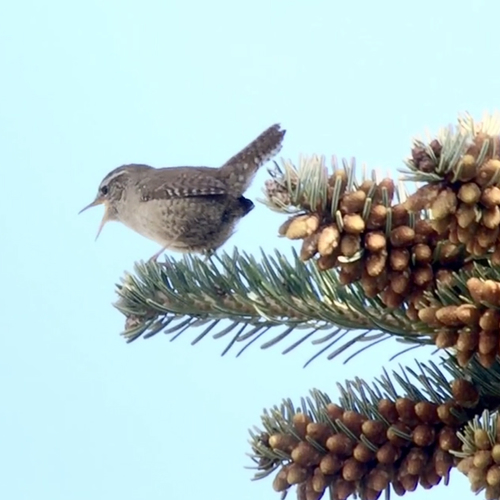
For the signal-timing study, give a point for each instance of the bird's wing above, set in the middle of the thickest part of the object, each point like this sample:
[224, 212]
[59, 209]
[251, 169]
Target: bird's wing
[183, 182]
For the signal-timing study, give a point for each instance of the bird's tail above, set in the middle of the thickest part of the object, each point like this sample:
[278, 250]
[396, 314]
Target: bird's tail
[239, 170]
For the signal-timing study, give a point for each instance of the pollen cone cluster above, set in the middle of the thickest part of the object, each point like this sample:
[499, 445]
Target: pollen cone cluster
[351, 453]
[470, 327]
[371, 240]
[465, 204]
[398, 248]
[480, 459]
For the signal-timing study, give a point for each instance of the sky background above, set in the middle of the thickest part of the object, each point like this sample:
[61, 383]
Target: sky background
[87, 86]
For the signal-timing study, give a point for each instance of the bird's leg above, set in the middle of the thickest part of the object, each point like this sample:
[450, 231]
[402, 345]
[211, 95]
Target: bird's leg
[208, 255]
[157, 254]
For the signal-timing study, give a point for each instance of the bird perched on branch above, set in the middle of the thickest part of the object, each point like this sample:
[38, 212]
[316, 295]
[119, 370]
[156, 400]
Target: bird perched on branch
[186, 209]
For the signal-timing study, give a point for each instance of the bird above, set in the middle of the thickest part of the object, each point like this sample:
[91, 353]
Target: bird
[186, 209]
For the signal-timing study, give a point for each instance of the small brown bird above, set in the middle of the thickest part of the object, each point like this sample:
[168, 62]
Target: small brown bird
[186, 209]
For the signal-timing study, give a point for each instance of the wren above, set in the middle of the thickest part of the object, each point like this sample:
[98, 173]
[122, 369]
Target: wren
[186, 209]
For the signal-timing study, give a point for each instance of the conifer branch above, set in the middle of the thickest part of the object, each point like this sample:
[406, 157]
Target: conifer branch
[392, 434]
[255, 296]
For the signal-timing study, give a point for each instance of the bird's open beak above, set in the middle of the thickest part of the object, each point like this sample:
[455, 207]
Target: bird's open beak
[98, 201]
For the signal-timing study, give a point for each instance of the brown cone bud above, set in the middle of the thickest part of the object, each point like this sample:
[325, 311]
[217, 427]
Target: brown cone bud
[490, 197]
[350, 244]
[400, 281]
[430, 478]
[409, 482]
[482, 459]
[343, 489]
[426, 412]
[375, 241]
[428, 315]
[477, 479]
[443, 462]
[330, 464]
[467, 168]
[328, 240]
[340, 445]
[469, 193]
[353, 421]
[445, 415]
[300, 422]
[495, 453]
[391, 299]
[493, 476]
[363, 454]
[280, 482]
[399, 215]
[448, 439]
[388, 453]
[445, 204]
[305, 454]
[488, 173]
[491, 217]
[445, 338]
[423, 435]
[465, 465]
[309, 247]
[319, 432]
[415, 461]
[465, 393]
[296, 474]
[334, 411]
[386, 185]
[387, 409]
[377, 217]
[352, 203]
[491, 292]
[378, 478]
[422, 276]
[298, 228]
[352, 470]
[375, 431]
[487, 237]
[448, 316]
[482, 439]
[353, 223]
[422, 254]
[466, 215]
[282, 442]
[396, 432]
[375, 263]
[350, 272]
[488, 342]
[399, 259]
[490, 320]
[402, 236]
[406, 410]
[467, 339]
[468, 314]
[319, 482]
[326, 262]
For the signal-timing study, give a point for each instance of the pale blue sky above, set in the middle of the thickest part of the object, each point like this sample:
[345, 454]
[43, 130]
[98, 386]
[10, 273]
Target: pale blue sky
[87, 86]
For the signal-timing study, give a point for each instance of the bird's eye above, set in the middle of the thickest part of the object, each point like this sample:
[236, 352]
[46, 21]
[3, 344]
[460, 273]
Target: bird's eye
[104, 190]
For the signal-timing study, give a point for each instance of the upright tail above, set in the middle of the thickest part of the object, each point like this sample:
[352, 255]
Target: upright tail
[239, 171]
